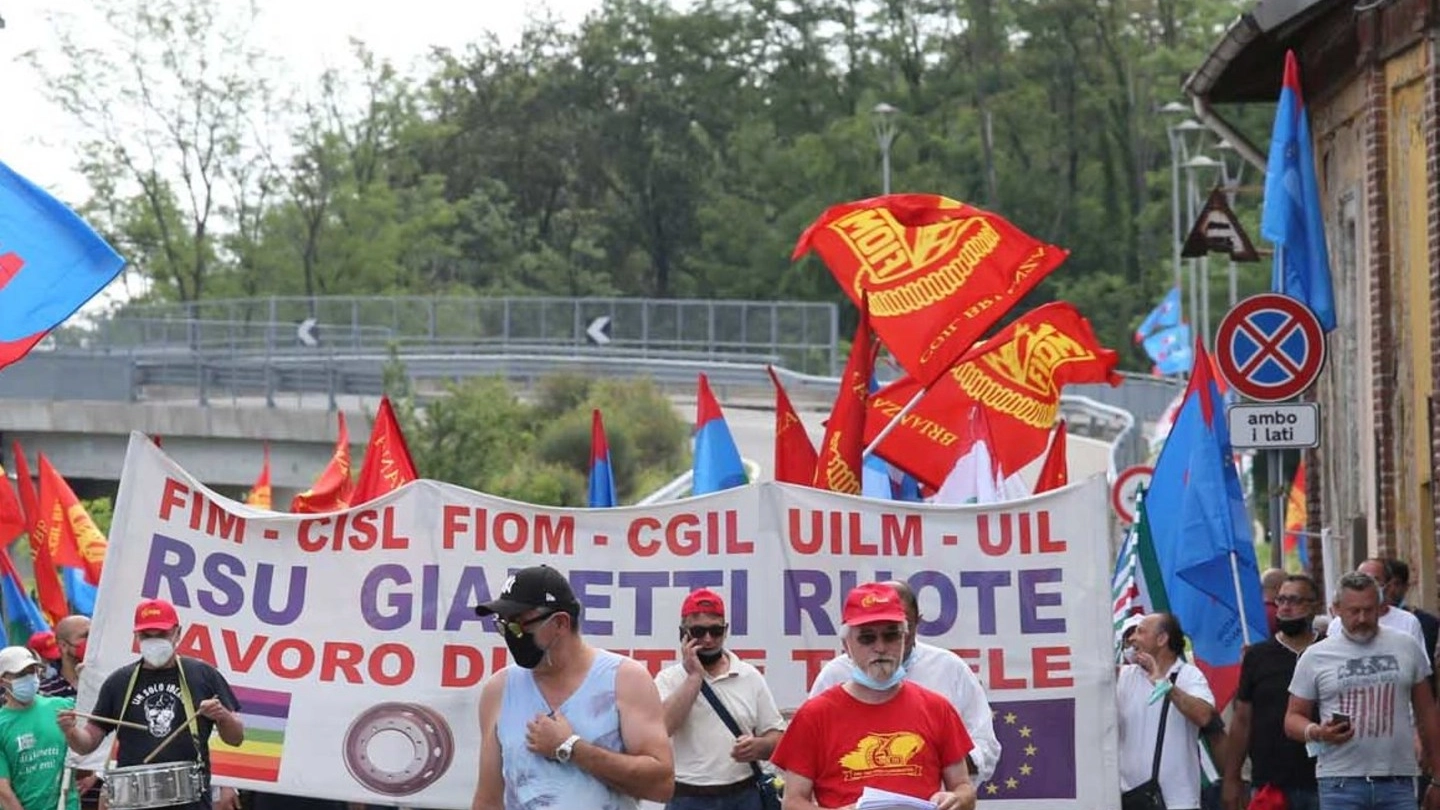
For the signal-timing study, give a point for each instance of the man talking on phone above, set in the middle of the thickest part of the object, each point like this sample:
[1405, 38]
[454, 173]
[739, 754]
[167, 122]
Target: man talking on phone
[1370, 683]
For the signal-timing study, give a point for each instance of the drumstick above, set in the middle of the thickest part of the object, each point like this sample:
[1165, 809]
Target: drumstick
[111, 720]
[161, 747]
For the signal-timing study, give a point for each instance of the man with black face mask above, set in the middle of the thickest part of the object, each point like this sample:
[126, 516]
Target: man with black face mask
[568, 720]
[1257, 729]
[712, 766]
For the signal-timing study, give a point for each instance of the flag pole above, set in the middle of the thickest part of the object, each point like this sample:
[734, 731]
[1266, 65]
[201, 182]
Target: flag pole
[894, 422]
[1239, 599]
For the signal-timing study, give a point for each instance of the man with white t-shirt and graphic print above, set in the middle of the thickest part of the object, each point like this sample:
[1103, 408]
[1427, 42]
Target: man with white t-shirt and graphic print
[1392, 618]
[1371, 687]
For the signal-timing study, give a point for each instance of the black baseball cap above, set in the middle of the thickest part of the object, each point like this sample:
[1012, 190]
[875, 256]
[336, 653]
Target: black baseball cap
[537, 587]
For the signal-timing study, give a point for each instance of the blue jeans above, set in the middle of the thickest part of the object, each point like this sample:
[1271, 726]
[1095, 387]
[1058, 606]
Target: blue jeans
[1359, 793]
[744, 800]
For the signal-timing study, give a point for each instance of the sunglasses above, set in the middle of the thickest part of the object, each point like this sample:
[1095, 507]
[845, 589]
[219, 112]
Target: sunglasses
[518, 629]
[866, 638]
[700, 631]
[1287, 599]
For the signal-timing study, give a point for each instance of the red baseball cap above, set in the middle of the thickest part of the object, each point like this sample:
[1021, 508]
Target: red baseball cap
[870, 603]
[702, 601]
[45, 645]
[155, 614]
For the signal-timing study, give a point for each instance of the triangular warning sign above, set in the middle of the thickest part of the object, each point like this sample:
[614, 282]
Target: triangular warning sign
[1218, 231]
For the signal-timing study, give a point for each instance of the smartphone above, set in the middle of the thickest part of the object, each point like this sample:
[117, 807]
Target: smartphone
[1340, 718]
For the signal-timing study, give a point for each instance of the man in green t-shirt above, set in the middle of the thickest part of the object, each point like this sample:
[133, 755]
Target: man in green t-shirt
[32, 746]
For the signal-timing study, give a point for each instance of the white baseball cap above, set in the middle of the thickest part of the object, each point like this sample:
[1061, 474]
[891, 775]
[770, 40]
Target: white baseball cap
[16, 659]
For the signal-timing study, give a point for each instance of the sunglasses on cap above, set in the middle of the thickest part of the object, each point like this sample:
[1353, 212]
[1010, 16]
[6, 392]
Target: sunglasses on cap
[700, 631]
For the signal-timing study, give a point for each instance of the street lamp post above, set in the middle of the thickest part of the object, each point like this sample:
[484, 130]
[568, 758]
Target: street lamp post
[883, 120]
[1179, 154]
[1232, 189]
[1196, 163]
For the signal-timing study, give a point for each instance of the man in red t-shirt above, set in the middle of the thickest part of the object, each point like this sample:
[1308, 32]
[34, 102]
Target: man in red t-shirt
[877, 729]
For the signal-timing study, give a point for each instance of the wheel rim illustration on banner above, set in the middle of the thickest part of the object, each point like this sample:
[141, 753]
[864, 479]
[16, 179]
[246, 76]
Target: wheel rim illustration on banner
[1270, 347]
[397, 749]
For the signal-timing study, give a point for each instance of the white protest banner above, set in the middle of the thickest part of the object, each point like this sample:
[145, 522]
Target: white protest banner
[353, 646]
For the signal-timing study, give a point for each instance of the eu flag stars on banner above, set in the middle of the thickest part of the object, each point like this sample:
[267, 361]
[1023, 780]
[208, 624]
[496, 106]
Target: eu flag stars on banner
[51, 263]
[1291, 217]
[1037, 741]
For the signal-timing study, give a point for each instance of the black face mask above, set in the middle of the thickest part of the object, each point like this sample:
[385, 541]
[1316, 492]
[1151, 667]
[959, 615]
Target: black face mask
[710, 656]
[525, 651]
[1293, 627]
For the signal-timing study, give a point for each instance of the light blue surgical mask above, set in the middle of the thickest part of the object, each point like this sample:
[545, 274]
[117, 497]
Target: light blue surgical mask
[23, 688]
[864, 678]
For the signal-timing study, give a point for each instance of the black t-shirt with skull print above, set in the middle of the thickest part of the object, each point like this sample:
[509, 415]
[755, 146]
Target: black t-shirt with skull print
[156, 704]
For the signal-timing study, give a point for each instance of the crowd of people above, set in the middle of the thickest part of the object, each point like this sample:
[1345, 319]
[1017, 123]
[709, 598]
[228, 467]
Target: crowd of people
[1336, 710]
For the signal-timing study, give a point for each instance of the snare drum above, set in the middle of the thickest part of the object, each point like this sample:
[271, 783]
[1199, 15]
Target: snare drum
[160, 785]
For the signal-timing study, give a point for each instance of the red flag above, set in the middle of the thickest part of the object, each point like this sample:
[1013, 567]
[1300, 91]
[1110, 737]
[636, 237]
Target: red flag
[70, 534]
[795, 456]
[1295, 511]
[1055, 472]
[28, 499]
[838, 467]
[937, 273]
[12, 517]
[331, 491]
[1017, 375]
[260, 495]
[387, 465]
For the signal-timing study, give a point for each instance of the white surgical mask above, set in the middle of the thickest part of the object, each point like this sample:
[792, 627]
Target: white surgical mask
[157, 652]
[1129, 654]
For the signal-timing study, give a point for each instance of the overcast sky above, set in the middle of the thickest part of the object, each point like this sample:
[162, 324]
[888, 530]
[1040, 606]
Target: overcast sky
[307, 34]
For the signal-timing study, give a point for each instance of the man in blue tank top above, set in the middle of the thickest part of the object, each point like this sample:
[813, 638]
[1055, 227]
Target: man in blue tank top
[567, 725]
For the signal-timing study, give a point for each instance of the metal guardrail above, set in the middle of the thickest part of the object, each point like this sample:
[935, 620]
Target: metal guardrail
[804, 334]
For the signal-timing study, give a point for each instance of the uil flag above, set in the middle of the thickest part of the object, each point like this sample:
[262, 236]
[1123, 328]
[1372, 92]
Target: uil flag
[1165, 315]
[602, 477]
[795, 456]
[1201, 531]
[838, 468]
[387, 465]
[717, 460]
[1291, 216]
[51, 263]
[1017, 376]
[331, 492]
[22, 617]
[933, 273]
[260, 495]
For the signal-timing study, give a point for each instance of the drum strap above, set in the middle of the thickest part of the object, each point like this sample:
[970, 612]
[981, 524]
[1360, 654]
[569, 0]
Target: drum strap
[185, 700]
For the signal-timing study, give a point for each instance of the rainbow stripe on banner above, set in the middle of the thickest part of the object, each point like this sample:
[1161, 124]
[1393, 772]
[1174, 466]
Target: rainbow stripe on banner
[265, 713]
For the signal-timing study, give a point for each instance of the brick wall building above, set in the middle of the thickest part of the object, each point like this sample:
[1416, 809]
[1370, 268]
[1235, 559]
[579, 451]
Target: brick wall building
[1369, 69]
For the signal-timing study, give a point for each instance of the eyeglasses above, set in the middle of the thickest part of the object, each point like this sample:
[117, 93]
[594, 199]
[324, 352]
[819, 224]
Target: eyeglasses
[1292, 600]
[518, 629]
[866, 638]
[700, 631]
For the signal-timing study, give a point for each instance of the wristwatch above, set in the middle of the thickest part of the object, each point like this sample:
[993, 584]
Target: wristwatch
[567, 748]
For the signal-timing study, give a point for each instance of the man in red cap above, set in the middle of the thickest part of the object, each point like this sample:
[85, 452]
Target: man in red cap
[47, 649]
[157, 697]
[715, 769]
[876, 729]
